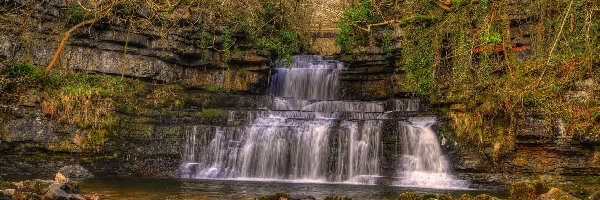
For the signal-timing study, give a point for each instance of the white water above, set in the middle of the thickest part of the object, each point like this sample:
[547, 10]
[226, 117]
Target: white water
[310, 136]
[423, 164]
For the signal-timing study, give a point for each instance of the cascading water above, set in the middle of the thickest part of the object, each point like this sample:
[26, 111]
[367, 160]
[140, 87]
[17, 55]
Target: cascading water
[423, 164]
[307, 135]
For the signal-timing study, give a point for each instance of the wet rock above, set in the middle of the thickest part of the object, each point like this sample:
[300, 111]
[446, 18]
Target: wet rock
[555, 193]
[56, 193]
[595, 196]
[36, 186]
[277, 196]
[527, 190]
[7, 194]
[485, 197]
[337, 198]
[283, 196]
[410, 196]
[445, 197]
[75, 171]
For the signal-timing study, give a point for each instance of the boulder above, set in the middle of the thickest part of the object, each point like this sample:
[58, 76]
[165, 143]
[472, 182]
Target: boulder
[338, 198]
[75, 172]
[595, 196]
[410, 196]
[556, 194]
[7, 194]
[527, 190]
[56, 193]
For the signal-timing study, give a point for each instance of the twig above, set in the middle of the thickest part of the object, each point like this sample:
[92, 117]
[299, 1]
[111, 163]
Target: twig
[555, 42]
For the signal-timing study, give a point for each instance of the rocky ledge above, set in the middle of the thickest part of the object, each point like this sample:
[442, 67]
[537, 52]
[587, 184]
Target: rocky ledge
[61, 188]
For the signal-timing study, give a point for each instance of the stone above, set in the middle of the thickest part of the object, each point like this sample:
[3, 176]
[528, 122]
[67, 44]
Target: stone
[594, 196]
[338, 198]
[60, 178]
[56, 193]
[35, 186]
[277, 196]
[75, 172]
[556, 194]
[527, 190]
[410, 196]
[7, 194]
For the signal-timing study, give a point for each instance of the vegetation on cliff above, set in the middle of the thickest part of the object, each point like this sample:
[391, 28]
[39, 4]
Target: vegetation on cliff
[493, 61]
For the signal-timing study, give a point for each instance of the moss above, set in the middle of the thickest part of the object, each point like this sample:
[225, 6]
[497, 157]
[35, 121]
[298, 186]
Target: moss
[6, 185]
[76, 14]
[410, 196]
[527, 190]
[213, 88]
[277, 196]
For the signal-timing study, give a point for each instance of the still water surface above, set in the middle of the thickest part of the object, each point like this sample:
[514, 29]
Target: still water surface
[147, 188]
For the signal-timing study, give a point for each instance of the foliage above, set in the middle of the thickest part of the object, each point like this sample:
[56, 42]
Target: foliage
[350, 36]
[82, 100]
[466, 55]
[228, 41]
[76, 14]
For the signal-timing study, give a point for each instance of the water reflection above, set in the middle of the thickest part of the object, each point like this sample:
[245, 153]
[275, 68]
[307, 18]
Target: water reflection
[145, 188]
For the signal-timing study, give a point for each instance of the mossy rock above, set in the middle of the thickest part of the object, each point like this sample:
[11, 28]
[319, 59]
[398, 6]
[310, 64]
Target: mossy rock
[338, 198]
[36, 186]
[27, 196]
[277, 196]
[447, 196]
[527, 190]
[7, 185]
[556, 194]
[410, 196]
[485, 197]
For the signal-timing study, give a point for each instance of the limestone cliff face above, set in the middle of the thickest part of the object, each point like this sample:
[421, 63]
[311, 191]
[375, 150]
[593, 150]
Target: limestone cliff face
[111, 47]
[150, 141]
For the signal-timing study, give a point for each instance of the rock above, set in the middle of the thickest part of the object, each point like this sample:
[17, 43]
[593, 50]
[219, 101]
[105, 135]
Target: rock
[595, 196]
[35, 186]
[60, 178]
[555, 193]
[56, 193]
[527, 190]
[447, 196]
[75, 171]
[7, 185]
[410, 196]
[277, 196]
[7, 194]
[485, 197]
[338, 198]
[27, 195]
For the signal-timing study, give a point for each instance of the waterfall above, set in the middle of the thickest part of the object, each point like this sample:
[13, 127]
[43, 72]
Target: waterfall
[309, 135]
[423, 164]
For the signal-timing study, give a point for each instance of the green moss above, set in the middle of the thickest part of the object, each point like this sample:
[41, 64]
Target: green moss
[350, 36]
[213, 113]
[527, 190]
[410, 196]
[76, 14]
[228, 41]
[277, 196]
[213, 88]
[6, 185]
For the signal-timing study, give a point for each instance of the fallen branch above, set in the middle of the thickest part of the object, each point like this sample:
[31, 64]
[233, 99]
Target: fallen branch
[64, 40]
[69, 32]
